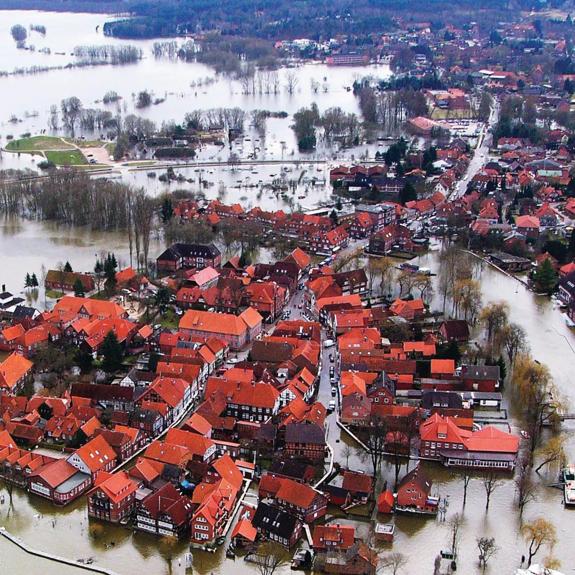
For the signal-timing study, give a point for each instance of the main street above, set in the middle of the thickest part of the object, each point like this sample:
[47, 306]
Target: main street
[480, 154]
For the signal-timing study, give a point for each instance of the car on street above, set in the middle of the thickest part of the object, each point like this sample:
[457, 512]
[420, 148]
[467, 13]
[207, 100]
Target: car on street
[331, 405]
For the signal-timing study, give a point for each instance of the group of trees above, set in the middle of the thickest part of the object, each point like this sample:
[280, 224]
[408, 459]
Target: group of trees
[105, 270]
[31, 281]
[216, 119]
[94, 54]
[258, 81]
[19, 34]
[382, 271]
[278, 20]
[517, 119]
[457, 283]
[545, 277]
[334, 122]
[74, 198]
[390, 108]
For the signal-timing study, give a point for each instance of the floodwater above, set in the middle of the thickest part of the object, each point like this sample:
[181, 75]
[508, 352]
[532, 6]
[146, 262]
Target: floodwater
[25, 246]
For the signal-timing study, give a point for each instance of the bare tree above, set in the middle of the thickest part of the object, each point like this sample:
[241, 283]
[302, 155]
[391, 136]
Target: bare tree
[490, 482]
[515, 341]
[271, 557]
[346, 452]
[394, 562]
[487, 549]
[524, 486]
[292, 81]
[455, 525]
[466, 480]
[143, 218]
[71, 110]
[53, 120]
[374, 438]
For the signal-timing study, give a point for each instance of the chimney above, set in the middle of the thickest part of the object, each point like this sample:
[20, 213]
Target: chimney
[3, 287]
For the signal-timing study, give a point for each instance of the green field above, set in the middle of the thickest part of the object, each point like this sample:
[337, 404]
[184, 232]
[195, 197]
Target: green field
[38, 144]
[66, 158]
[54, 294]
[87, 143]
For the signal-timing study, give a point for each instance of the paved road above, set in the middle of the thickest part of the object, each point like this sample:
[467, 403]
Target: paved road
[480, 154]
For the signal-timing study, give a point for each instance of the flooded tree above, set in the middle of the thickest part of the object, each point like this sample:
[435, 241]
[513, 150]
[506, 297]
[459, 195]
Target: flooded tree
[53, 120]
[491, 482]
[168, 546]
[487, 549]
[110, 97]
[107, 53]
[71, 109]
[374, 438]
[454, 266]
[304, 126]
[455, 524]
[494, 317]
[144, 99]
[533, 388]
[466, 299]
[19, 34]
[292, 81]
[537, 534]
[525, 488]
[143, 212]
[552, 452]
[271, 557]
[393, 563]
[466, 480]
[514, 341]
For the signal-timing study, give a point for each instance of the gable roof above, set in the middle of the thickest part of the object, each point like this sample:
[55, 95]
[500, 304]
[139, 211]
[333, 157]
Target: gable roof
[96, 454]
[13, 369]
[220, 323]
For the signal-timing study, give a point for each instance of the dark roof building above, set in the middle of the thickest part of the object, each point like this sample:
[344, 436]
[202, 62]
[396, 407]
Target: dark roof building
[278, 525]
[184, 256]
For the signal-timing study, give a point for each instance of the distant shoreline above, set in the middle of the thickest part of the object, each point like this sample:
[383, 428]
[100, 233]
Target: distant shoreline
[92, 7]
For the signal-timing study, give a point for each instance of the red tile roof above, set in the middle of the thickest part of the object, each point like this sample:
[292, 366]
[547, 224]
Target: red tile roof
[96, 454]
[13, 369]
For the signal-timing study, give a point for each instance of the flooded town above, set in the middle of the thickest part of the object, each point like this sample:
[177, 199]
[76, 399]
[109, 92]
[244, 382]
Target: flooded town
[287, 287]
